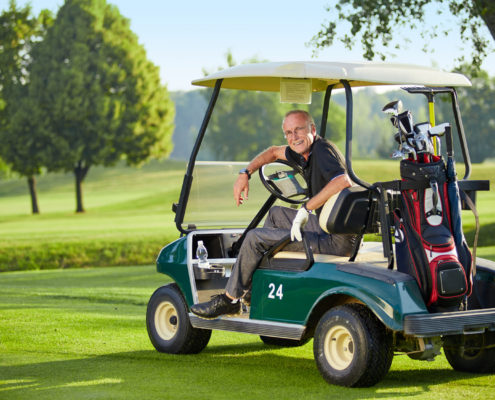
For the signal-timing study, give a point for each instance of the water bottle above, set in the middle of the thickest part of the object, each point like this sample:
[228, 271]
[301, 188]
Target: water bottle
[202, 255]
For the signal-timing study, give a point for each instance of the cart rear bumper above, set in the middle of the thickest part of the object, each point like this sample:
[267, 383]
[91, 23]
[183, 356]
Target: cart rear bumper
[450, 323]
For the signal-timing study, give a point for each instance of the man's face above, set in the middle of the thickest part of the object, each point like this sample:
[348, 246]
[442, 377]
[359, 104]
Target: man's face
[299, 133]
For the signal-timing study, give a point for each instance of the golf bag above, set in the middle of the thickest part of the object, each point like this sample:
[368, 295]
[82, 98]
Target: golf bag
[425, 242]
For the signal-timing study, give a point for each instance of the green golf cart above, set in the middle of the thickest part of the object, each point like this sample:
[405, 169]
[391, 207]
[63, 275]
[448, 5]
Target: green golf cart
[358, 310]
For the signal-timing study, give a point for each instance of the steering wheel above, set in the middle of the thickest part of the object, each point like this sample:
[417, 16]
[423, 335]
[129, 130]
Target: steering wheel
[287, 184]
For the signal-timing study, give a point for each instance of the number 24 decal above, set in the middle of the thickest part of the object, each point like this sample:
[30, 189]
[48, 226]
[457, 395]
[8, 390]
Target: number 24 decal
[275, 293]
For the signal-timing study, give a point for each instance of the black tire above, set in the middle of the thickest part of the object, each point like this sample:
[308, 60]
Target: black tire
[168, 324]
[474, 356]
[352, 347]
[274, 341]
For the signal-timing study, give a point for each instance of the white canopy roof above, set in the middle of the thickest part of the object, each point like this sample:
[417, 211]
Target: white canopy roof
[266, 76]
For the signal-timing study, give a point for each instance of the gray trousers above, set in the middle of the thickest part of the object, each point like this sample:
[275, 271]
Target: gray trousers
[277, 225]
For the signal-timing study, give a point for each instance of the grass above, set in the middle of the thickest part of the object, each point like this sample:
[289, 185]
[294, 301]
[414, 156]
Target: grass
[81, 334]
[129, 216]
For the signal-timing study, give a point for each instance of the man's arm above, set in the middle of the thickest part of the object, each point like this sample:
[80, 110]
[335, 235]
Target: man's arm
[241, 184]
[331, 188]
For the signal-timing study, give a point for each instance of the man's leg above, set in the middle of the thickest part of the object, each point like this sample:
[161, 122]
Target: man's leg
[280, 218]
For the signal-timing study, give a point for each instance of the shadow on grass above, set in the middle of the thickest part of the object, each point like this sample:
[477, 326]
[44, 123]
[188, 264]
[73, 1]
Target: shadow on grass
[250, 371]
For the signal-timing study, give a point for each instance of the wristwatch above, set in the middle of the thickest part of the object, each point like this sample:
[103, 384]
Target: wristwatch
[245, 171]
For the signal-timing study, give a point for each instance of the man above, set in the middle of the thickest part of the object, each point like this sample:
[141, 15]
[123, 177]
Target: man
[325, 173]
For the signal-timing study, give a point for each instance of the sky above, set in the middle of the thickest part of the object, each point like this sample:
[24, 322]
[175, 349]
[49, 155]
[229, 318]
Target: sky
[185, 37]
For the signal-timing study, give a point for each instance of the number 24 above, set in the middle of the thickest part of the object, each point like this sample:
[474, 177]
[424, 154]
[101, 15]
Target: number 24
[279, 293]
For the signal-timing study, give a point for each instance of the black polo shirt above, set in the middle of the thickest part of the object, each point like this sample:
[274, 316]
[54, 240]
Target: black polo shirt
[325, 162]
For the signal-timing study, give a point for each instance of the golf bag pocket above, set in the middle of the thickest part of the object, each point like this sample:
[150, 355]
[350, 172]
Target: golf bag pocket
[449, 281]
[450, 277]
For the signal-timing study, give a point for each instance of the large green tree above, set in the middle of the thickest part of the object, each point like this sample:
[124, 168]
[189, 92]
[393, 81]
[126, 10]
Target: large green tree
[378, 22]
[21, 148]
[97, 93]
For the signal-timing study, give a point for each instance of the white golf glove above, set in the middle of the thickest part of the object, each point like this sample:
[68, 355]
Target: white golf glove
[300, 220]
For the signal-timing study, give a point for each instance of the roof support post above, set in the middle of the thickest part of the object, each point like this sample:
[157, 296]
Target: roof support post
[324, 115]
[180, 208]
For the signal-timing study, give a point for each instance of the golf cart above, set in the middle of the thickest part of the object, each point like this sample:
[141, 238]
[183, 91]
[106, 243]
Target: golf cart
[359, 310]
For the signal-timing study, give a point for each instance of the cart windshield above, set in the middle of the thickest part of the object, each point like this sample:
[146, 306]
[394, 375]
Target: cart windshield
[211, 200]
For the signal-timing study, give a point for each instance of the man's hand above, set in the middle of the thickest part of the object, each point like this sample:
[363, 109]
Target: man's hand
[300, 220]
[241, 186]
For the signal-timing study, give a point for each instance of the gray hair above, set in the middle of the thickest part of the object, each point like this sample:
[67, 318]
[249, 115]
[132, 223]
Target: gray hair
[305, 113]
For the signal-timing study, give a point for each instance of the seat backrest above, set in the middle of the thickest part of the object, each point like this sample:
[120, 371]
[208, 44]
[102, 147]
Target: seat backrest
[347, 211]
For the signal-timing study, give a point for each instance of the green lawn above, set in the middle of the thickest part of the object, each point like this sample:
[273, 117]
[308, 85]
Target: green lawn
[81, 334]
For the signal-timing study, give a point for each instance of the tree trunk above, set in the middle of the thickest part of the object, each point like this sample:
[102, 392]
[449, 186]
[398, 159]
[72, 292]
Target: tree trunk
[80, 172]
[34, 197]
[487, 9]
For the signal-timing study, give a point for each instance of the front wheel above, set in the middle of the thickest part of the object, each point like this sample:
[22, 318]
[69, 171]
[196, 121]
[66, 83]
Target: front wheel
[476, 354]
[352, 347]
[169, 328]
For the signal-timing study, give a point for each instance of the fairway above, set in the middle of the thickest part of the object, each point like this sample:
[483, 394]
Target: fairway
[81, 334]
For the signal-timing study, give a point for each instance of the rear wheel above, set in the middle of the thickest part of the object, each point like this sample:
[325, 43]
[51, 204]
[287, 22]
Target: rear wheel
[352, 347]
[477, 354]
[273, 341]
[168, 323]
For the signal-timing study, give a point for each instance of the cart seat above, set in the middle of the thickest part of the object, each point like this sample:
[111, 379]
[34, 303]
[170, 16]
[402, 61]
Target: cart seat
[370, 253]
[347, 212]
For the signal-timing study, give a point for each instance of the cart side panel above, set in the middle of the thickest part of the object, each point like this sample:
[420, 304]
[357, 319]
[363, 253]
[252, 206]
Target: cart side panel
[172, 261]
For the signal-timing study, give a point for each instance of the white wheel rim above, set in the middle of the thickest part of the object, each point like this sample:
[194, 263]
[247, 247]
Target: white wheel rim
[339, 347]
[166, 320]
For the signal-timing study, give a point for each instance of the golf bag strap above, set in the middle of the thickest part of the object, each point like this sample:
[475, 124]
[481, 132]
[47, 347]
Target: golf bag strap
[465, 197]
[472, 206]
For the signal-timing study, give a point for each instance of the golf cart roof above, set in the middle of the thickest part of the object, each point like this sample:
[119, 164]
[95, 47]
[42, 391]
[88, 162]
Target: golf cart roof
[266, 76]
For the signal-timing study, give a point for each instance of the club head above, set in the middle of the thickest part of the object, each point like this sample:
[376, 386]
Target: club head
[394, 107]
[439, 130]
[406, 149]
[405, 122]
[422, 127]
[398, 154]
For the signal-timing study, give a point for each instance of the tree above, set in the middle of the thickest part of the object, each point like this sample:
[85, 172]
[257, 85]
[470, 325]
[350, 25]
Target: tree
[20, 149]
[97, 93]
[243, 122]
[375, 21]
[189, 110]
[335, 130]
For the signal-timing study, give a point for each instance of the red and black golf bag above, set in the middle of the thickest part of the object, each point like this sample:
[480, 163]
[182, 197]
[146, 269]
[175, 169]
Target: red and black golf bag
[429, 242]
